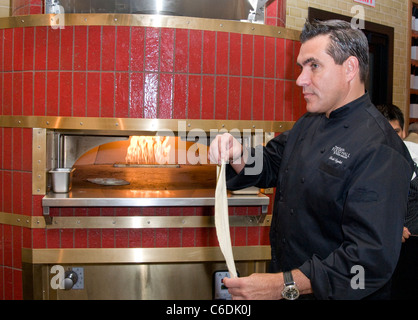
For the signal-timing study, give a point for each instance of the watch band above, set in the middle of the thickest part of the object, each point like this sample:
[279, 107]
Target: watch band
[288, 278]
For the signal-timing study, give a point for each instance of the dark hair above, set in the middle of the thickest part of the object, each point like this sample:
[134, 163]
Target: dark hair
[345, 41]
[391, 112]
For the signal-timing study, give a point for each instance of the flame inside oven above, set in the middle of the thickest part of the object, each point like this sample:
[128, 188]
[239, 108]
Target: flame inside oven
[148, 150]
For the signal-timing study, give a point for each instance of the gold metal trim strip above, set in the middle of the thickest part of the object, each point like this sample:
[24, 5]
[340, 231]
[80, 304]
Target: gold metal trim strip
[140, 255]
[39, 175]
[145, 20]
[138, 125]
[123, 222]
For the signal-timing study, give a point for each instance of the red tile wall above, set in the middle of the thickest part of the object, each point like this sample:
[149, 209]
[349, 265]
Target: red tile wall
[130, 72]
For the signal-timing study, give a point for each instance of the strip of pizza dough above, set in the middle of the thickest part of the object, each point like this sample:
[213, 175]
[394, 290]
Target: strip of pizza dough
[222, 221]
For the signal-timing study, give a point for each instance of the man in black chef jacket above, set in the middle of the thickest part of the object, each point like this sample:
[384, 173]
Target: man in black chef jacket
[341, 176]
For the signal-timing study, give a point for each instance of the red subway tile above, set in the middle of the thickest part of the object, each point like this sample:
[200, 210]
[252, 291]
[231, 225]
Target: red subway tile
[264, 236]
[174, 237]
[258, 99]
[259, 56]
[208, 97]
[240, 236]
[7, 151]
[40, 48]
[137, 95]
[94, 238]
[247, 55]
[8, 49]
[17, 284]
[17, 192]
[94, 44]
[209, 52]
[121, 238]
[122, 48]
[53, 238]
[66, 59]
[80, 238]
[52, 80]
[79, 94]
[151, 84]
[39, 238]
[8, 283]
[135, 238]
[108, 238]
[28, 93]
[180, 96]
[17, 149]
[27, 150]
[93, 94]
[269, 95]
[234, 98]
[7, 245]
[253, 236]
[288, 101]
[17, 247]
[37, 209]
[296, 68]
[148, 238]
[137, 48]
[1, 59]
[80, 48]
[108, 48]
[167, 50]
[288, 59]
[235, 45]
[188, 237]
[66, 94]
[165, 102]
[195, 51]
[39, 94]
[53, 49]
[181, 54]
[246, 98]
[271, 9]
[66, 238]
[121, 95]
[222, 52]
[270, 57]
[27, 238]
[26, 193]
[107, 94]
[195, 83]
[7, 106]
[1, 194]
[279, 101]
[18, 49]
[17, 94]
[202, 237]
[221, 97]
[152, 52]
[161, 238]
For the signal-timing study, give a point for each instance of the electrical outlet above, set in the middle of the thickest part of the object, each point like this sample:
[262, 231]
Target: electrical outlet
[80, 280]
[220, 292]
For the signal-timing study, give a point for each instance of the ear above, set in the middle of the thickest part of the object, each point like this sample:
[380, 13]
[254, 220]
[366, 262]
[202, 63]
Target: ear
[351, 66]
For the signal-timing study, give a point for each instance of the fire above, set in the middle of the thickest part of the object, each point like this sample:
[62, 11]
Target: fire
[148, 150]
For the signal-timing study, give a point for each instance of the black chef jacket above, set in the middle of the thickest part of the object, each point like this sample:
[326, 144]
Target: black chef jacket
[341, 197]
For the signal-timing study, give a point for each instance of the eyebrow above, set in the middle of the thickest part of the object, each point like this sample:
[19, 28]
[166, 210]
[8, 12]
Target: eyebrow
[309, 60]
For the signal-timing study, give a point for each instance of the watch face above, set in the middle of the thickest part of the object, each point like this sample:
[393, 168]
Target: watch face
[290, 292]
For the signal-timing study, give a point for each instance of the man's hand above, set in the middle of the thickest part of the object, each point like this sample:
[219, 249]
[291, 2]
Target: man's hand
[258, 286]
[224, 148]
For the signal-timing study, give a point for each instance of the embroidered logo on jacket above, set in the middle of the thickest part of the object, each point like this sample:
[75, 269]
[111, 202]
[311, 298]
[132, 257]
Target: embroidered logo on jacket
[340, 153]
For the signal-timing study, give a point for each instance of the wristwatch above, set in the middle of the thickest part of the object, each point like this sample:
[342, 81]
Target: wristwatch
[290, 290]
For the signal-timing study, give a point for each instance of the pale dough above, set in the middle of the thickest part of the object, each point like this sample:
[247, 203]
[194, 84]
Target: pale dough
[222, 221]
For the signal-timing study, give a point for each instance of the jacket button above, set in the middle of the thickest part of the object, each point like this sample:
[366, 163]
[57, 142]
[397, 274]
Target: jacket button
[292, 212]
[302, 180]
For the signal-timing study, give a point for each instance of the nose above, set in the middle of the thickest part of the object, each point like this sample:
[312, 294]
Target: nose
[304, 78]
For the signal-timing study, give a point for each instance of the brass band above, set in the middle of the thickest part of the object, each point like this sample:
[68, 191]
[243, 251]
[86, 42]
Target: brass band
[140, 255]
[140, 20]
[139, 124]
[127, 222]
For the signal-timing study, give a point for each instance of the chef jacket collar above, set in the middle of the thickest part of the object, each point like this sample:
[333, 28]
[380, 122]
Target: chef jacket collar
[350, 107]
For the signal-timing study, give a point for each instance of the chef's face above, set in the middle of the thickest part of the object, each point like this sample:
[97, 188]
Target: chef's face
[398, 129]
[323, 81]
